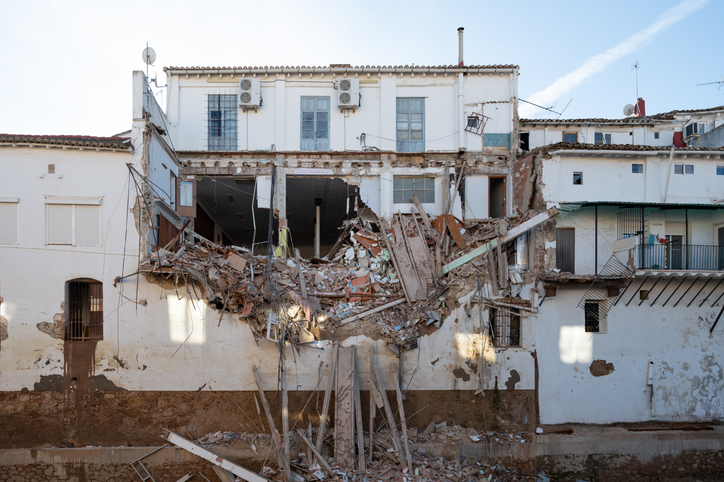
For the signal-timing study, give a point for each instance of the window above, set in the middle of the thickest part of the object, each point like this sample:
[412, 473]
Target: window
[577, 178]
[570, 137]
[315, 124]
[83, 310]
[656, 135]
[504, 327]
[525, 141]
[637, 168]
[694, 129]
[8, 220]
[222, 122]
[74, 224]
[186, 199]
[566, 249]
[404, 187]
[683, 169]
[599, 138]
[410, 124]
[592, 319]
[720, 170]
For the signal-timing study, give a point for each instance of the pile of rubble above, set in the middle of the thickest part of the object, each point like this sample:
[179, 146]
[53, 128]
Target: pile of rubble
[388, 273]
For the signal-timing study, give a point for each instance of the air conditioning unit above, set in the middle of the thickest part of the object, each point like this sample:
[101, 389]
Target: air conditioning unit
[348, 93]
[249, 93]
[694, 129]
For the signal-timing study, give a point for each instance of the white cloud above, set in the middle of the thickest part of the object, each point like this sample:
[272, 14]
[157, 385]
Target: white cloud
[601, 61]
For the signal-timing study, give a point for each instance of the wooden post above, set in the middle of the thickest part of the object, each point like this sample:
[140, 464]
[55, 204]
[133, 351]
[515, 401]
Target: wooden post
[403, 422]
[358, 416]
[316, 453]
[285, 421]
[344, 412]
[388, 411]
[276, 439]
[327, 396]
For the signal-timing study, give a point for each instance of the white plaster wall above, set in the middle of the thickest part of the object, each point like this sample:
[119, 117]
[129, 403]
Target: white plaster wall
[161, 165]
[688, 381]
[584, 222]
[601, 173]
[375, 117]
[477, 197]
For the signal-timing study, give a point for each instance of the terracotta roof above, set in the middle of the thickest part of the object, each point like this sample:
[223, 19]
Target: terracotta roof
[340, 68]
[688, 111]
[619, 147]
[595, 120]
[89, 142]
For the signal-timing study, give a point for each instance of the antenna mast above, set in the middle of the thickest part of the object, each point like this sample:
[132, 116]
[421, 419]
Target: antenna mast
[635, 66]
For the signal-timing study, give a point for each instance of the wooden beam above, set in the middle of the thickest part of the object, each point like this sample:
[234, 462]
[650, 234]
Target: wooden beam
[388, 410]
[426, 220]
[276, 439]
[327, 396]
[199, 451]
[344, 409]
[358, 416]
[512, 234]
[403, 422]
[285, 420]
[315, 452]
[372, 311]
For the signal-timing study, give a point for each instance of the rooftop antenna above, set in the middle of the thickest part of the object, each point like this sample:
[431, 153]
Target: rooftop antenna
[720, 82]
[149, 57]
[635, 67]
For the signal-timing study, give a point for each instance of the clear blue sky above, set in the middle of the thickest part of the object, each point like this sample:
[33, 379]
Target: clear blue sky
[65, 66]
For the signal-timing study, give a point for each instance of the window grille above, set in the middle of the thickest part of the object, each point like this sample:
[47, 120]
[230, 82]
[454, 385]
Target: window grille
[222, 122]
[83, 310]
[504, 326]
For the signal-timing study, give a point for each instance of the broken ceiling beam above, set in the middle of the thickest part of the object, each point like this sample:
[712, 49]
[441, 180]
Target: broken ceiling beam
[235, 469]
[372, 311]
[509, 236]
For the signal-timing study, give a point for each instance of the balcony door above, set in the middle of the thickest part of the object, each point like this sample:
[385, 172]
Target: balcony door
[315, 124]
[675, 251]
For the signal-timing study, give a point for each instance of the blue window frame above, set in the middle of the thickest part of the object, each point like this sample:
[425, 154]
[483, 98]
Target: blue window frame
[222, 122]
[315, 124]
[637, 168]
[410, 124]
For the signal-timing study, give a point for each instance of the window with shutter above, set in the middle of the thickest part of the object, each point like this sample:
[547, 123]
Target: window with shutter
[73, 224]
[9, 221]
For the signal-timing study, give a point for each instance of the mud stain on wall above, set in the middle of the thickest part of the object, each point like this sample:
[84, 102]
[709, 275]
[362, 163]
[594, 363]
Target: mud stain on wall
[599, 368]
[512, 380]
[49, 383]
[80, 361]
[461, 374]
[3, 329]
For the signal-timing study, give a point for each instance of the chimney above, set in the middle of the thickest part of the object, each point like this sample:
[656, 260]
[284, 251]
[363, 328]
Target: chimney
[640, 109]
[460, 47]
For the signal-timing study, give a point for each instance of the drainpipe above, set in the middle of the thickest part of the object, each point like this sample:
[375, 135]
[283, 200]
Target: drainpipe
[461, 93]
[668, 174]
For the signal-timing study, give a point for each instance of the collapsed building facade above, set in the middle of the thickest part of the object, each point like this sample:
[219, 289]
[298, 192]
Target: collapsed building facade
[231, 241]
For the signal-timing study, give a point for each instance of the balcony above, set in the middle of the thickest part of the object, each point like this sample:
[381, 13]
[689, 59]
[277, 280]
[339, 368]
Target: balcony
[677, 256]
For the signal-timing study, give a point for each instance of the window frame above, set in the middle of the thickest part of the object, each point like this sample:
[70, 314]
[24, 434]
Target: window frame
[408, 144]
[228, 128]
[315, 143]
[591, 324]
[575, 137]
[580, 178]
[508, 318]
[605, 138]
[74, 204]
[398, 187]
[79, 313]
[720, 170]
[13, 220]
[633, 168]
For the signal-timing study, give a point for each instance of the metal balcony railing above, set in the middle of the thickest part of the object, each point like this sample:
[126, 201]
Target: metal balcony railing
[674, 256]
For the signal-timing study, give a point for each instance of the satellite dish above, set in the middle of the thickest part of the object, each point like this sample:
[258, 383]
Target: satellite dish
[628, 109]
[149, 55]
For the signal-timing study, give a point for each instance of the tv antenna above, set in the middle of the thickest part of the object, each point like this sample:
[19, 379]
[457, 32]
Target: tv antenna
[721, 83]
[635, 67]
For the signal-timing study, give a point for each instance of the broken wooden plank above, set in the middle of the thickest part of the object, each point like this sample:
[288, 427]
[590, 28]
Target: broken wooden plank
[383, 230]
[426, 220]
[509, 236]
[276, 439]
[373, 410]
[403, 422]
[380, 385]
[316, 453]
[407, 272]
[358, 417]
[327, 397]
[222, 474]
[372, 311]
[492, 273]
[235, 469]
[344, 409]
[285, 419]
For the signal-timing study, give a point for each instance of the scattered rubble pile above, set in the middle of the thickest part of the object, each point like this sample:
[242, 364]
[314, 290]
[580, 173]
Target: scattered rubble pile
[393, 282]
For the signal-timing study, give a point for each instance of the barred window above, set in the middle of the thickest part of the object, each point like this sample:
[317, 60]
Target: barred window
[222, 122]
[504, 326]
[83, 310]
[592, 318]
